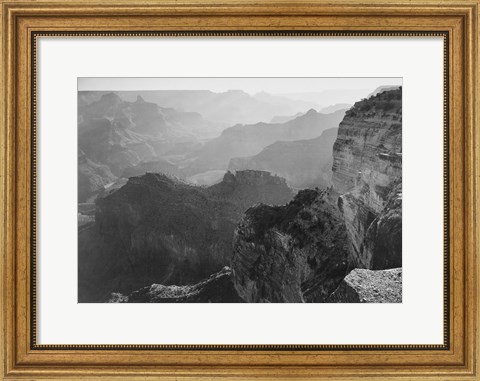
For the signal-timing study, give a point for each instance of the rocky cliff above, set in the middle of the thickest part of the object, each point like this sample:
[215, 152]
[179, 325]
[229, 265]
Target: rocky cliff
[293, 253]
[367, 171]
[302, 252]
[158, 229]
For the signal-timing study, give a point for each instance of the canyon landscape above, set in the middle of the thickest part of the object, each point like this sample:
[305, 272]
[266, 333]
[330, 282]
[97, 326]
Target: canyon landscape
[233, 195]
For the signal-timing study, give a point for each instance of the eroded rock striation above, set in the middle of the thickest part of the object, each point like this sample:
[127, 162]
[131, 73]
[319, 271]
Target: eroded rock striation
[302, 252]
[369, 286]
[367, 171]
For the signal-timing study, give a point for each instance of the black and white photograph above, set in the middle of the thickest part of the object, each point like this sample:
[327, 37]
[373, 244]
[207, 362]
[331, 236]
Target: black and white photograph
[240, 190]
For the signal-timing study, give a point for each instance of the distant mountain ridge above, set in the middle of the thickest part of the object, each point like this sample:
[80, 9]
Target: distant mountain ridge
[121, 135]
[303, 163]
[225, 108]
[248, 140]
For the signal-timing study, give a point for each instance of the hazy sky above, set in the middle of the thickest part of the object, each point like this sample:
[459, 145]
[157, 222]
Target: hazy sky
[249, 85]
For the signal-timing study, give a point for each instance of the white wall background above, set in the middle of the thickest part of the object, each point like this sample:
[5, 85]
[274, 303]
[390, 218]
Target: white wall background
[418, 320]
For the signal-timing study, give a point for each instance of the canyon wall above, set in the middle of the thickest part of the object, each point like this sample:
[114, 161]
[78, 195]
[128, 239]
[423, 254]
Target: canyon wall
[292, 253]
[302, 252]
[367, 171]
[158, 229]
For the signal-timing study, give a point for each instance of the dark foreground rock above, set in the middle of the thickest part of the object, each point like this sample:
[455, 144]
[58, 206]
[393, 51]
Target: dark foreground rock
[369, 286]
[158, 229]
[218, 288]
[291, 254]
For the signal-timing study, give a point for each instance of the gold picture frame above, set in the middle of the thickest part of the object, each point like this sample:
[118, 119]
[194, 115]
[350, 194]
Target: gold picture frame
[24, 21]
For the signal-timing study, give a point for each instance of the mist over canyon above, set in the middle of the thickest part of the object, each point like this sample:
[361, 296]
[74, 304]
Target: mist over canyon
[196, 196]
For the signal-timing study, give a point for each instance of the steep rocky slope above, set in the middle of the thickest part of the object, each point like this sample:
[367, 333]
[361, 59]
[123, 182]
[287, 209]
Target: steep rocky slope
[367, 171]
[293, 253]
[303, 251]
[248, 140]
[217, 288]
[156, 229]
[303, 163]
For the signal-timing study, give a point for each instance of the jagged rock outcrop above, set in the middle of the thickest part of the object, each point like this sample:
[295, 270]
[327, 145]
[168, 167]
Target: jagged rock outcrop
[301, 252]
[158, 165]
[368, 148]
[382, 246]
[369, 286]
[303, 163]
[293, 253]
[217, 288]
[250, 187]
[381, 89]
[158, 229]
[367, 171]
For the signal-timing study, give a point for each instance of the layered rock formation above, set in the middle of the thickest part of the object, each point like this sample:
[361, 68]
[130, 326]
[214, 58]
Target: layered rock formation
[369, 286]
[156, 238]
[157, 229]
[367, 171]
[293, 253]
[218, 288]
[303, 163]
[301, 252]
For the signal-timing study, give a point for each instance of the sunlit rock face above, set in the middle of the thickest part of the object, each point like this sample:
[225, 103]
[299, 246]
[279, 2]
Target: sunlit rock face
[302, 252]
[367, 171]
[368, 149]
[369, 286]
